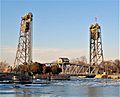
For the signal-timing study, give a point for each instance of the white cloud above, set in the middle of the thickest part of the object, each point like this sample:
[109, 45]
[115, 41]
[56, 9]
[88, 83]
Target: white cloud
[43, 54]
[52, 54]
[7, 54]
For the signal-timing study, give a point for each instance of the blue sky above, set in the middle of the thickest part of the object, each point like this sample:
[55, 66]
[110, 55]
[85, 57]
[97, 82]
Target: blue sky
[60, 27]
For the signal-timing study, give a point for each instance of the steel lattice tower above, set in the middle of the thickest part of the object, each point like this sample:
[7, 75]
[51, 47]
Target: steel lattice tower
[96, 52]
[24, 49]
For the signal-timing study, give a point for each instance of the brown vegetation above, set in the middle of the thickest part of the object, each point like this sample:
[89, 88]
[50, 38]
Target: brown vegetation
[110, 67]
[82, 60]
[55, 69]
[5, 67]
[38, 68]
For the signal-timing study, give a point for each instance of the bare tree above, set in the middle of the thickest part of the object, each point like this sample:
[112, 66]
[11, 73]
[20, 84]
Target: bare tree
[82, 60]
[5, 67]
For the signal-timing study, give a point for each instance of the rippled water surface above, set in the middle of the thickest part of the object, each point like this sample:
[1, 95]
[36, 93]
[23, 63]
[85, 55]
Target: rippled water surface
[75, 87]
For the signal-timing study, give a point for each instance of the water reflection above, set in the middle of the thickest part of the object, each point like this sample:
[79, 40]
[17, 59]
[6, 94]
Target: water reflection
[73, 88]
[94, 92]
[23, 95]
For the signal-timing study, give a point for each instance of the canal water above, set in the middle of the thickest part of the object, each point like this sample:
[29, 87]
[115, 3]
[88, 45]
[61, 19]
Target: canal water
[76, 87]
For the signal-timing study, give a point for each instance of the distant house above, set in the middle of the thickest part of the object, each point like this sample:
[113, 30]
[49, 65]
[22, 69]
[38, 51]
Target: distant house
[63, 60]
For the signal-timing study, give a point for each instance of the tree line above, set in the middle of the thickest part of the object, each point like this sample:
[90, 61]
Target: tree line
[37, 68]
[110, 67]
